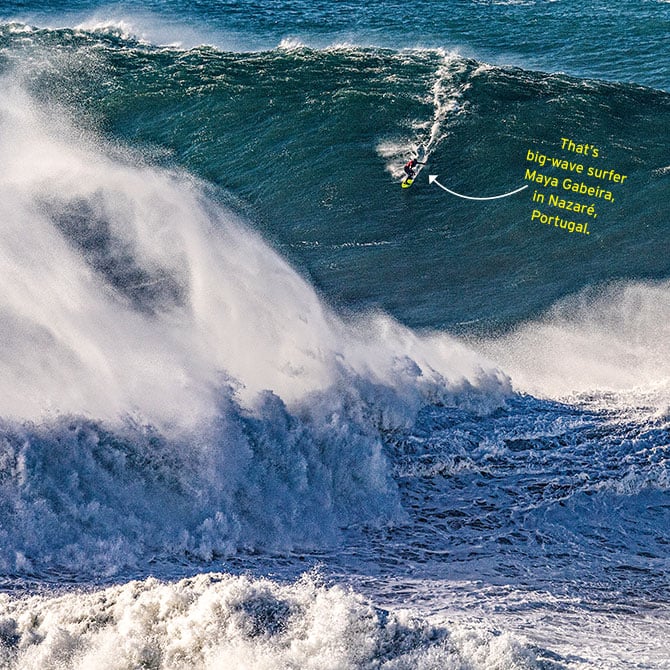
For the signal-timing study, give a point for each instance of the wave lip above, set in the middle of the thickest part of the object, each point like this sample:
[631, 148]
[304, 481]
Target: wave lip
[136, 28]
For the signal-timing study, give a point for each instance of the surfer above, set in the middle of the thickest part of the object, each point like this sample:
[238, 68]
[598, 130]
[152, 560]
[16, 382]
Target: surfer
[409, 167]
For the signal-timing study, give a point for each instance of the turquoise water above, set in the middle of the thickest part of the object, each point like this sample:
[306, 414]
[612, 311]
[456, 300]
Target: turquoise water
[327, 197]
[235, 351]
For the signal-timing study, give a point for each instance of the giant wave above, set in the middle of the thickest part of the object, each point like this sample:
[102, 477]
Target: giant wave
[160, 360]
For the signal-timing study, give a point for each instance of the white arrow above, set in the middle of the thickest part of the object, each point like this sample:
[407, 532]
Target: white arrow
[433, 178]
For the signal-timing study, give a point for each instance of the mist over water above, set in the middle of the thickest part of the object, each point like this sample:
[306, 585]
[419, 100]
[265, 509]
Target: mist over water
[609, 338]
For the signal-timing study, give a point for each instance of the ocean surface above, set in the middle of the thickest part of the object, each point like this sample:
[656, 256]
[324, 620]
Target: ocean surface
[261, 408]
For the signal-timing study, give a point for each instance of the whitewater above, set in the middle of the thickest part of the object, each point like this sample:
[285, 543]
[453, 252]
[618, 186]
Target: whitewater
[249, 425]
[150, 377]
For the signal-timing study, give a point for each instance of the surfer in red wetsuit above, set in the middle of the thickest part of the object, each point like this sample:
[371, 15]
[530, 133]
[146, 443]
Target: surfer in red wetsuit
[409, 167]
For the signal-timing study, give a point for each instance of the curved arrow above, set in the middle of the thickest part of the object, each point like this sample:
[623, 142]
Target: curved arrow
[433, 178]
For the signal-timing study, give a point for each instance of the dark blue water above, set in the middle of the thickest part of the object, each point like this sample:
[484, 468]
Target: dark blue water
[587, 39]
[234, 350]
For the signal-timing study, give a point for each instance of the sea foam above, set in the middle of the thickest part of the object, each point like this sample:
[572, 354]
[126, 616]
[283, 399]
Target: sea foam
[220, 621]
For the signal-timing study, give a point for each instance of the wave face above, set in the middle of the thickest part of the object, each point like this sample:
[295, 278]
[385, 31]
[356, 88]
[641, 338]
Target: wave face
[231, 342]
[430, 260]
[157, 351]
